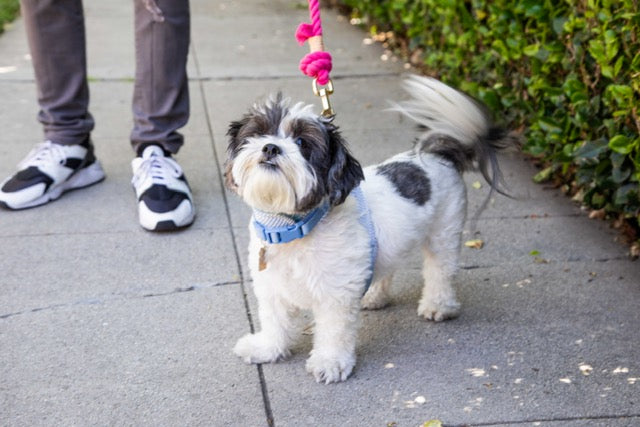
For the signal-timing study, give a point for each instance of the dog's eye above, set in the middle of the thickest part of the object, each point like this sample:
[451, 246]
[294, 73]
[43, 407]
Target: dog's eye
[299, 142]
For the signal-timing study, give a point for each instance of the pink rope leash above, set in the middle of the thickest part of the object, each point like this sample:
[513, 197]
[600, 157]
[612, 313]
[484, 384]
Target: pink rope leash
[317, 63]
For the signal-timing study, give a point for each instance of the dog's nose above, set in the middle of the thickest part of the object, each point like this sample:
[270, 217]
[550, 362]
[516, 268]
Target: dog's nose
[270, 151]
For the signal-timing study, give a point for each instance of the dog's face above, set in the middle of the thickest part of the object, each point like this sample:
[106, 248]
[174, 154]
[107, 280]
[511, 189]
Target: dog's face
[285, 159]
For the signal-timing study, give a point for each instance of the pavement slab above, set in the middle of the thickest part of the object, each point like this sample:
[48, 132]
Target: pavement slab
[525, 348]
[133, 360]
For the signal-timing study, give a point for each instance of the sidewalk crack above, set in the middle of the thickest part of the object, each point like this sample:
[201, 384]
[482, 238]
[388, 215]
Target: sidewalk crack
[263, 384]
[98, 300]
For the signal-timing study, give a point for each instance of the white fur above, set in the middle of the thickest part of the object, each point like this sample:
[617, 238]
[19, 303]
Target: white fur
[264, 189]
[450, 112]
[325, 272]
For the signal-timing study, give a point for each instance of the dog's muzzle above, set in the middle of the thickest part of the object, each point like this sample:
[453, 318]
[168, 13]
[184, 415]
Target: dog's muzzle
[269, 153]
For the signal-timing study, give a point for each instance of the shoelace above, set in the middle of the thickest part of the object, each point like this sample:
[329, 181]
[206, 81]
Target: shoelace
[158, 168]
[42, 154]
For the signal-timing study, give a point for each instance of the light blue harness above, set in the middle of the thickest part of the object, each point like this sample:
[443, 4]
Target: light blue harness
[282, 228]
[367, 223]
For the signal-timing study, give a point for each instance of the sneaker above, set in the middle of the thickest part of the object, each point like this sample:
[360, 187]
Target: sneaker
[164, 196]
[49, 170]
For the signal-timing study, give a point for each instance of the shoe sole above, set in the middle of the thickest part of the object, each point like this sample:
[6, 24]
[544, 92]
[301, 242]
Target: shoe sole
[84, 177]
[180, 217]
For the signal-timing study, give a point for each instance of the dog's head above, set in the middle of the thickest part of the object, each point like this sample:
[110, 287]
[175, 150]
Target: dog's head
[283, 158]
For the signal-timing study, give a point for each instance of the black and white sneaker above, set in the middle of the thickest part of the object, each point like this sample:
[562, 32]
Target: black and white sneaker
[49, 170]
[164, 196]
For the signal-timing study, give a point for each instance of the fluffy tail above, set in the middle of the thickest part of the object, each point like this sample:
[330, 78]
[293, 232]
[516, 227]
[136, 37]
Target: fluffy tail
[456, 127]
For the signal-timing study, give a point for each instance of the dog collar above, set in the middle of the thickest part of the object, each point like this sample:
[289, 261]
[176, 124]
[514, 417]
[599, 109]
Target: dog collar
[283, 228]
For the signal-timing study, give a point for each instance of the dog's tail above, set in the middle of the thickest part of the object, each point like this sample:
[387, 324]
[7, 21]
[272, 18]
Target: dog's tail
[456, 127]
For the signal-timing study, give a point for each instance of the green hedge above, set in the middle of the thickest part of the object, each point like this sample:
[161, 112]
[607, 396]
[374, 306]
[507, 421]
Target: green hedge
[8, 11]
[567, 71]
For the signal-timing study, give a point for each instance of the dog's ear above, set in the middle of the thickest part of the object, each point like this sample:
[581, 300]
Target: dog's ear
[345, 172]
[232, 149]
[232, 133]
[228, 176]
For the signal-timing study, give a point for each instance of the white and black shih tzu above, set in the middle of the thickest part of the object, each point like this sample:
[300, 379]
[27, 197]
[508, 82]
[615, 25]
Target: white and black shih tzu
[323, 229]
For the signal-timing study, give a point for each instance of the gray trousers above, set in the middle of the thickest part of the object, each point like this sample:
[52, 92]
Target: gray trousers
[56, 35]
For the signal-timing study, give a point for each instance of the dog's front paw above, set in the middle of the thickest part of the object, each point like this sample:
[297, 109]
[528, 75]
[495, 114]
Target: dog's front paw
[439, 310]
[330, 369]
[258, 348]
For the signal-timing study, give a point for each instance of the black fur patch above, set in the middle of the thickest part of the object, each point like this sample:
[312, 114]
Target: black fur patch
[460, 155]
[410, 180]
[311, 137]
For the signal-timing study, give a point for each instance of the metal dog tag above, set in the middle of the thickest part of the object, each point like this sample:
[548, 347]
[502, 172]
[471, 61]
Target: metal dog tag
[262, 262]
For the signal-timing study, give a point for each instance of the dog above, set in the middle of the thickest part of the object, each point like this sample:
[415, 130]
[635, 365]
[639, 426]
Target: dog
[323, 228]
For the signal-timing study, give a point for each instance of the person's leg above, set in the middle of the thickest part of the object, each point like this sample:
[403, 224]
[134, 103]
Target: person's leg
[161, 92]
[56, 35]
[160, 108]
[65, 161]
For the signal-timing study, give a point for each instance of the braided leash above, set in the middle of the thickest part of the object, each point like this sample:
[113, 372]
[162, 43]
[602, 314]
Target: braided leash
[317, 63]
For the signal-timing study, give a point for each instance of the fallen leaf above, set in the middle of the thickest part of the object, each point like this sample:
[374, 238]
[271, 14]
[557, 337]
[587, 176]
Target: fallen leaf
[477, 372]
[474, 244]
[543, 175]
[477, 185]
[523, 282]
[432, 423]
[586, 369]
[635, 250]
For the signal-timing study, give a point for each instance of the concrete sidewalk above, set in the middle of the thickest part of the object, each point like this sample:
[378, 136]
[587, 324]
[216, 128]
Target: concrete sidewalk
[102, 323]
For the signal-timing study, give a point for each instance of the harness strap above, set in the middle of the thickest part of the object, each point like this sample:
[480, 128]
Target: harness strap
[367, 223]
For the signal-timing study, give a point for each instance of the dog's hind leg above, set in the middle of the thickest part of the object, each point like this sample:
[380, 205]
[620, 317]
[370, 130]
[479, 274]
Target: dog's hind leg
[378, 294]
[438, 300]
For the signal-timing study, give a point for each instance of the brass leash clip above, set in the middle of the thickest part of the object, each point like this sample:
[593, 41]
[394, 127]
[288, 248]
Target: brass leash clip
[324, 93]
